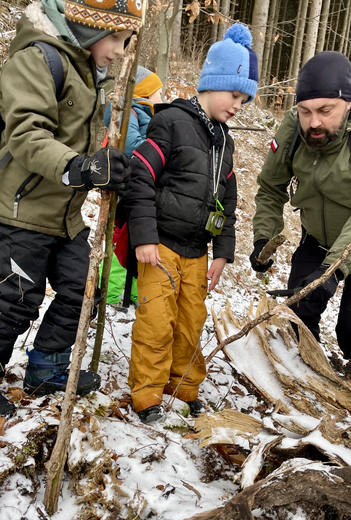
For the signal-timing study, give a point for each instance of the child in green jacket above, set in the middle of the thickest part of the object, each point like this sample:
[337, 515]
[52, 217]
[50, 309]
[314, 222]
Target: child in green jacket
[50, 140]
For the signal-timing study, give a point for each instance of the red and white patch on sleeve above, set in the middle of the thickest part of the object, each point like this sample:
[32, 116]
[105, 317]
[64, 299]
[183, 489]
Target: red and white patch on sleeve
[274, 145]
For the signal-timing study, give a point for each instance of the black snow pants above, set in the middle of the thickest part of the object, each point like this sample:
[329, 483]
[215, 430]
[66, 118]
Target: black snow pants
[27, 259]
[306, 259]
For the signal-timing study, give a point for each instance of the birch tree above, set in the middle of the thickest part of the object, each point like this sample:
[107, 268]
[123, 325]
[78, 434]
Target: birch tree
[258, 29]
[297, 49]
[223, 25]
[345, 28]
[168, 12]
[323, 26]
[312, 30]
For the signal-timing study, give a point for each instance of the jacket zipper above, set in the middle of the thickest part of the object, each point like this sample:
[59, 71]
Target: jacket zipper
[19, 195]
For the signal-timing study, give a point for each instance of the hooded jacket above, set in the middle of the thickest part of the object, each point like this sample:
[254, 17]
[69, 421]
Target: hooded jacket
[322, 193]
[44, 133]
[140, 115]
[170, 196]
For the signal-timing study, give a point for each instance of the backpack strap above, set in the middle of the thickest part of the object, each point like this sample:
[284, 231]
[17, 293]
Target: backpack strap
[54, 62]
[295, 142]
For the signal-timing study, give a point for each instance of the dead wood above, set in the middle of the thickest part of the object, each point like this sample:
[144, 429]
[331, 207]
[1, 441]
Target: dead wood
[269, 250]
[55, 466]
[290, 301]
[313, 489]
[125, 83]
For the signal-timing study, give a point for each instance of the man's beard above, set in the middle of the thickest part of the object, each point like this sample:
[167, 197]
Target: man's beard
[317, 143]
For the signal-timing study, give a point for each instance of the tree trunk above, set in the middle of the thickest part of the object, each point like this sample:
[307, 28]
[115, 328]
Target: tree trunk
[281, 40]
[225, 5]
[312, 30]
[336, 25]
[323, 26]
[214, 28]
[258, 30]
[330, 25]
[167, 17]
[345, 28]
[270, 34]
[190, 38]
[299, 32]
[176, 31]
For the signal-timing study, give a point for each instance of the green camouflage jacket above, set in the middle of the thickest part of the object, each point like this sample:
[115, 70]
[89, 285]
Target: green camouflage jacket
[323, 192]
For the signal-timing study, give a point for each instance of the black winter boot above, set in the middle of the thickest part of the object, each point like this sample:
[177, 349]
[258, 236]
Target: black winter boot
[196, 407]
[151, 414]
[48, 373]
[7, 409]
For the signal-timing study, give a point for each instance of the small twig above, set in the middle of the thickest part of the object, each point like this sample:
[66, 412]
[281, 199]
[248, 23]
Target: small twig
[188, 486]
[247, 129]
[290, 301]
[171, 279]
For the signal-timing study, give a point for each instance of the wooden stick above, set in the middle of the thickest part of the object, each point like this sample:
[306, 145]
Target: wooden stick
[117, 139]
[290, 301]
[247, 128]
[55, 465]
[268, 251]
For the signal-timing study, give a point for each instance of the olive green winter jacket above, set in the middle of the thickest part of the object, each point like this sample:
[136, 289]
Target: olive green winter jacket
[323, 192]
[42, 133]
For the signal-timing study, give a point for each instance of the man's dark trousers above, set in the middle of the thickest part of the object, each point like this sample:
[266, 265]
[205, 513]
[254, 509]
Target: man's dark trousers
[27, 259]
[306, 259]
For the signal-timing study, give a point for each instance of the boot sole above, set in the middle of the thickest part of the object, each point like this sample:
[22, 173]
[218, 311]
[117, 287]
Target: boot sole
[46, 389]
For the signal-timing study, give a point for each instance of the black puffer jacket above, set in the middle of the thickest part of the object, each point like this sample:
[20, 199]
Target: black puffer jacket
[171, 191]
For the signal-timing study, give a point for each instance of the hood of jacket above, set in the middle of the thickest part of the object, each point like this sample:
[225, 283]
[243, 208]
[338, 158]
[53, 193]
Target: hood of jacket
[36, 25]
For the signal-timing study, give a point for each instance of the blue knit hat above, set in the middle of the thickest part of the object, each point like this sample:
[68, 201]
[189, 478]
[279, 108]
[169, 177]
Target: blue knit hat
[231, 64]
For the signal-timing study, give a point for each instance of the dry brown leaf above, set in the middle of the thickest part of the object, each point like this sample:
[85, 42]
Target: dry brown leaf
[276, 37]
[191, 436]
[291, 90]
[279, 100]
[2, 426]
[15, 393]
[160, 487]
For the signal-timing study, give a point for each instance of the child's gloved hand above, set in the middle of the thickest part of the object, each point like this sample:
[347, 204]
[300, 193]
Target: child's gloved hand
[108, 169]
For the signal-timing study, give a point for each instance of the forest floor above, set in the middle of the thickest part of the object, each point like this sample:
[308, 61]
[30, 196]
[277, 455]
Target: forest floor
[118, 468]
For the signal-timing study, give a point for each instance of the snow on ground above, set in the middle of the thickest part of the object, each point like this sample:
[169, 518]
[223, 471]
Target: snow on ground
[162, 471]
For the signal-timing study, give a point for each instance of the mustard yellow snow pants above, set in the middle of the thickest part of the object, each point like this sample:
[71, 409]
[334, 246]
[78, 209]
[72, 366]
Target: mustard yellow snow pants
[166, 355]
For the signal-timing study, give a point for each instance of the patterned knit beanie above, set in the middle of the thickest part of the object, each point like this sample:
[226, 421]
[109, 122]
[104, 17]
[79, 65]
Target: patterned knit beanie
[146, 83]
[231, 64]
[326, 75]
[92, 20]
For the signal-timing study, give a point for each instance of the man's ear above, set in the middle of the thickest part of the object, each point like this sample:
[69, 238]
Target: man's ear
[348, 105]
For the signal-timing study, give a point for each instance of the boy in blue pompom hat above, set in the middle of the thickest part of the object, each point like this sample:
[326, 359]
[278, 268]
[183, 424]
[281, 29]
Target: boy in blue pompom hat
[181, 196]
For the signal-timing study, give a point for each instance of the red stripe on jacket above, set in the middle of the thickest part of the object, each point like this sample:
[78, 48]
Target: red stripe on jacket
[158, 149]
[147, 164]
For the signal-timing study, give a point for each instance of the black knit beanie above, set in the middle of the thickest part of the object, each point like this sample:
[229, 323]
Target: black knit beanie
[326, 75]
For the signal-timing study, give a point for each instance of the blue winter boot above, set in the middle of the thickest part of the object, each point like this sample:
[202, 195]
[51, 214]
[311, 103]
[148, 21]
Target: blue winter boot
[48, 373]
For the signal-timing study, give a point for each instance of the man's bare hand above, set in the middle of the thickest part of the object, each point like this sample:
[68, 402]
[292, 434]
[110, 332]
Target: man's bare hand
[215, 271]
[148, 254]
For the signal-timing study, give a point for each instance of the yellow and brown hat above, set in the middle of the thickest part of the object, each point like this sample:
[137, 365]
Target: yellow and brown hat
[113, 15]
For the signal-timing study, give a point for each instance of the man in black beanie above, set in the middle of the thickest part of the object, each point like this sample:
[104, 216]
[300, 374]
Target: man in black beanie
[313, 145]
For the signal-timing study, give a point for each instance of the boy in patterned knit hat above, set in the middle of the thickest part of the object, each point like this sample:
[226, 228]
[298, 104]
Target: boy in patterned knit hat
[182, 195]
[50, 161]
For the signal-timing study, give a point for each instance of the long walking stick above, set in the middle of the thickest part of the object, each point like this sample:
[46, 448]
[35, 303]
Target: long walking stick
[118, 140]
[55, 465]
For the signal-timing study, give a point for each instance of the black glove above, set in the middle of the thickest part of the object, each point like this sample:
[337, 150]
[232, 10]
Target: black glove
[108, 169]
[257, 266]
[324, 292]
